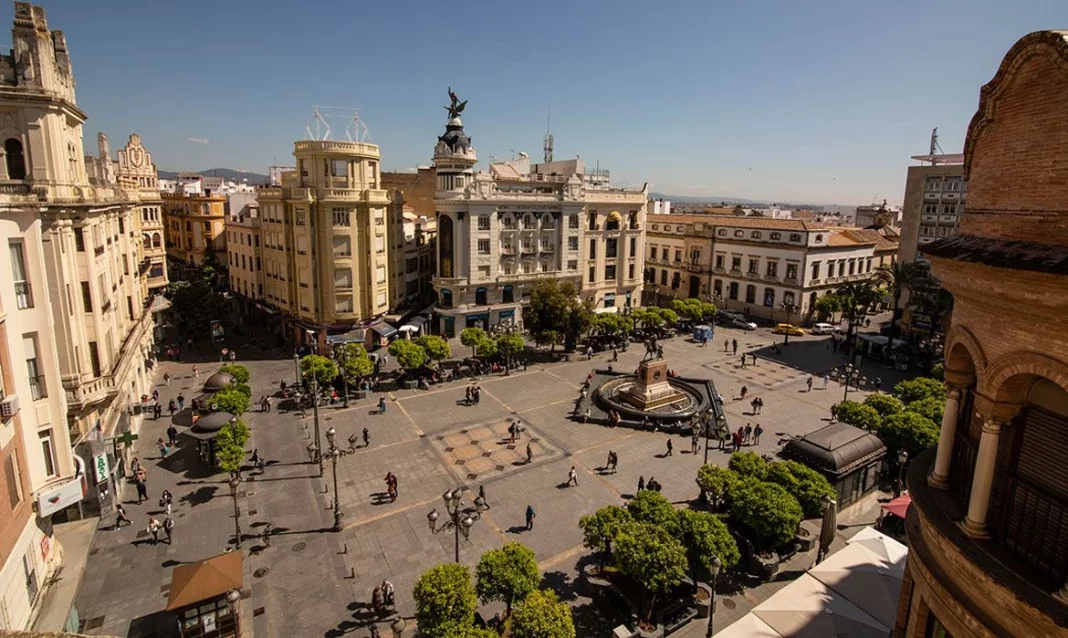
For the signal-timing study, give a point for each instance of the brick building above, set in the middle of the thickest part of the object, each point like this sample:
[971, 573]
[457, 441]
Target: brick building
[988, 526]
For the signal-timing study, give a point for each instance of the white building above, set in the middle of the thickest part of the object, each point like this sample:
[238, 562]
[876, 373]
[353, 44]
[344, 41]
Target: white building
[503, 230]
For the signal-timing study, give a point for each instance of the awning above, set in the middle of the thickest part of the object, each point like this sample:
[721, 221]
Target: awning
[408, 328]
[601, 311]
[159, 304]
[265, 308]
[899, 507]
[384, 329]
[205, 580]
[352, 336]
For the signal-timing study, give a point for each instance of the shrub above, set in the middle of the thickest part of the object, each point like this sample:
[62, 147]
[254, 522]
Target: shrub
[770, 512]
[230, 399]
[857, 414]
[507, 574]
[804, 483]
[908, 431]
[748, 465]
[716, 482]
[541, 615]
[919, 389]
[239, 372]
[931, 408]
[884, 404]
[444, 600]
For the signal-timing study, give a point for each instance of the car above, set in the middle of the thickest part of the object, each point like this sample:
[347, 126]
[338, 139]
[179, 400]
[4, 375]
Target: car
[788, 329]
[821, 329]
[738, 322]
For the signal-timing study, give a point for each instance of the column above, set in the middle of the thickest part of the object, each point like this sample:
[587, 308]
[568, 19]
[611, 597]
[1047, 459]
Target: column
[939, 477]
[975, 522]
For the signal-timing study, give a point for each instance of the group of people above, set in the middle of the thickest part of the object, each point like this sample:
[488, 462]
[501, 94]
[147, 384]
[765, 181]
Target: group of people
[747, 435]
[652, 484]
[612, 464]
[473, 394]
[391, 486]
[383, 597]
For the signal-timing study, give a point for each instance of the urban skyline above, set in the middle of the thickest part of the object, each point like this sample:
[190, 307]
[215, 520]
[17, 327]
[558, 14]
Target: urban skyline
[787, 121]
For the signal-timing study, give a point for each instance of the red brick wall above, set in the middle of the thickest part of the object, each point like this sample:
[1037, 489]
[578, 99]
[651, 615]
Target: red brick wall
[1019, 158]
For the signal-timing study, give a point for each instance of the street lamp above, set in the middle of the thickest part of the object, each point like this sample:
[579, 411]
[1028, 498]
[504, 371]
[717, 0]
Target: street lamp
[851, 375]
[335, 455]
[397, 627]
[341, 357]
[902, 459]
[460, 520]
[296, 367]
[234, 482]
[717, 564]
[315, 415]
[232, 598]
[790, 309]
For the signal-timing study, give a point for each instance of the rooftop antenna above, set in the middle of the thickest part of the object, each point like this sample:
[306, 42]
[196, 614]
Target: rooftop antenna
[548, 136]
[935, 148]
[318, 128]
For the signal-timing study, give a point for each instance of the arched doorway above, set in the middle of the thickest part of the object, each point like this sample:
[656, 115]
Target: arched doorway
[14, 158]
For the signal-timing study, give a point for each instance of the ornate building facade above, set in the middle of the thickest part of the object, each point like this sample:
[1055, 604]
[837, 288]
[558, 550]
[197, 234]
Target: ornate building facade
[136, 174]
[988, 526]
[501, 232]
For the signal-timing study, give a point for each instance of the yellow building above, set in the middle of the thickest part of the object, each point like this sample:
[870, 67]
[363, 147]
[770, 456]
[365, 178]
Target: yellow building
[324, 241]
[244, 253]
[196, 227]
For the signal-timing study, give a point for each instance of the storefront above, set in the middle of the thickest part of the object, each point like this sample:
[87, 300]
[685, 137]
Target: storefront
[204, 596]
[849, 457]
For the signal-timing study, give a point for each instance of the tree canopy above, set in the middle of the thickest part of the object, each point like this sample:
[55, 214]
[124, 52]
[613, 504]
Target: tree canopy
[705, 536]
[694, 309]
[320, 368]
[556, 312]
[409, 355]
[354, 362]
[908, 431]
[230, 446]
[931, 408]
[716, 482]
[827, 305]
[748, 465]
[437, 349]
[472, 337]
[488, 347]
[601, 527]
[541, 615]
[649, 506]
[804, 483]
[766, 509]
[918, 389]
[858, 414]
[444, 600]
[196, 304]
[884, 404]
[611, 324]
[230, 399]
[507, 574]
[239, 372]
[511, 344]
[651, 557]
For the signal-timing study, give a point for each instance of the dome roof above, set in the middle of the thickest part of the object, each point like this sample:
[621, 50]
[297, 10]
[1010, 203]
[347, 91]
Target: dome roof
[836, 449]
[212, 422]
[218, 381]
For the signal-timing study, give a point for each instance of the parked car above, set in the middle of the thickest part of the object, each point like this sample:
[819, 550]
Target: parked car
[744, 324]
[788, 329]
[821, 329]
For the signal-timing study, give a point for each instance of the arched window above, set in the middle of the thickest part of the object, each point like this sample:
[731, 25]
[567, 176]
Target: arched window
[508, 296]
[155, 240]
[16, 163]
[480, 297]
[812, 300]
[445, 248]
[613, 221]
[446, 298]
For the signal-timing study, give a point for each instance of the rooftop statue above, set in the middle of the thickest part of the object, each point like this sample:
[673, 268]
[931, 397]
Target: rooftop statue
[456, 107]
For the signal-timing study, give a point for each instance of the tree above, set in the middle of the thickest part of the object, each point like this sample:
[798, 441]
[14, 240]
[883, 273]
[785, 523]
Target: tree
[600, 528]
[354, 362]
[541, 615]
[705, 538]
[409, 355]
[716, 482]
[468, 631]
[487, 347]
[555, 308]
[931, 408]
[510, 345]
[857, 414]
[748, 465]
[472, 337]
[444, 600]
[919, 389]
[884, 404]
[437, 349]
[898, 277]
[243, 388]
[826, 306]
[770, 512]
[196, 304]
[230, 446]
[239, 372]
[507, 574]
[908, 431]
[855, 298]
[319, 368]
[804, 483]
[693, 309]
[652, 558]
[230, 399]
[651, 507]
[611, 323]
[549, 338]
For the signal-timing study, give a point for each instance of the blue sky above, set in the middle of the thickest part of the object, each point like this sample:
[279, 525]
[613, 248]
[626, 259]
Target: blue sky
[820, 101]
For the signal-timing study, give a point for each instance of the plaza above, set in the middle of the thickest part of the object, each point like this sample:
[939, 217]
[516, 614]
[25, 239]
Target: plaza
[304, 579]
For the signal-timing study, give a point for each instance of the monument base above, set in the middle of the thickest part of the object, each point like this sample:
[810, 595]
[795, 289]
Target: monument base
[652, 389]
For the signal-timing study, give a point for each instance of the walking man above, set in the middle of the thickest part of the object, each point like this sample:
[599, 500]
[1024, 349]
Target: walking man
[641, 483]
[166, 500]
[142, 491]
[694, 447]
[530, 453]
[756, 434]
[168, 528]
[120, 516]
[167, 378]
[745, 391]
[181, 402]
[153, 528]
[366, 438]
[826, 380]
[743, 360]
[530, 517]
[734, 344]
[381, 405]
[172, 436]
[572, 476]
[809, 383]
[726, 345]
[196, 372]
[748, 433]
[669, 448]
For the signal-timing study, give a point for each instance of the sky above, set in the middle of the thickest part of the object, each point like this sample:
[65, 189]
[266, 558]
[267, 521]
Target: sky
[820, 102]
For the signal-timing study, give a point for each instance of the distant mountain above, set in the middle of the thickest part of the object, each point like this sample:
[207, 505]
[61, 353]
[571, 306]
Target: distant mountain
[701, 199]
[227, 174]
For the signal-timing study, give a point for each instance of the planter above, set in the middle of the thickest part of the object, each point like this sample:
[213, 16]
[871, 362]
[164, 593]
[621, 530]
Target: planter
[411, 385]
[360, 394]
[806, 538]
[593, 579]
[766, 566]
[703, 600]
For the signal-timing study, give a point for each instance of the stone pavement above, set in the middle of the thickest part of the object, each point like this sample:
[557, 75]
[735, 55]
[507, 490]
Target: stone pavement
[304, 580]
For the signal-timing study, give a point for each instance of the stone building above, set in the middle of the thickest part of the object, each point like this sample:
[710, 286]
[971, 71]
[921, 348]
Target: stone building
[244, 254]
[412, 258]
[679, 257]
[77, 319]
[988, 526]
[324, 241]
[502, 231]
[935, 195]
[196, 229]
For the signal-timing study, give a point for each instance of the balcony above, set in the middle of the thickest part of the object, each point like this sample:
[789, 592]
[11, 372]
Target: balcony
[752, 275]
[790, 280]
[771, 278]
[736, 272]
[719, 270]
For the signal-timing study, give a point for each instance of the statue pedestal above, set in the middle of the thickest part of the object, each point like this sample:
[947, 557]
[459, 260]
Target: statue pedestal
[652, 389]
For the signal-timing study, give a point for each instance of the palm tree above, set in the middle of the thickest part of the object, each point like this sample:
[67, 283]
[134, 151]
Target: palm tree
[856, 298]
[898, 277]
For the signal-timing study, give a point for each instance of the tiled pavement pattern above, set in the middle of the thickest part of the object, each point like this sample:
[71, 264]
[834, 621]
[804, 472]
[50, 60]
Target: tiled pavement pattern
[310, 581]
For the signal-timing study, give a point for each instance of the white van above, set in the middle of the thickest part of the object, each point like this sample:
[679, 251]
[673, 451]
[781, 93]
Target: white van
[821, 329]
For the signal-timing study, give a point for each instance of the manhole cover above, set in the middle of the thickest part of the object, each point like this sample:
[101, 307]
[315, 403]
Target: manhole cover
[261, 572]
[728, 603]
[299, 547]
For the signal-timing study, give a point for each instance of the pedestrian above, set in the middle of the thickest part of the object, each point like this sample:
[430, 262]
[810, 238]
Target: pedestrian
[878, 383]
[826, 380]
[155, 395]
[572, 476]
[530, 453]
[743, 360]
[736, 441]
[166, 500]
[135, 466]
[388, 593]
[757, 431]
[652, 485]
[615, 462]
[467, 395]
[669, 452]
[120, 516]
[586, 416]
[753, 404]
[809, 383]
[168, 528]
[734, 344]
[267, 403]
[142, 474]
[153, 528]
[196, 372]
[530, 517]
[377, 599]
[518, 429]
[233, 356]
[381, 405]
[726, 345]
[511, 431]
[694, 445]
[477, 394]
[158, 408]
[745, 391]
[760, 405]
[172, 407]
[162, 447]
[748, 432]
[641, 483]
[482, 495]
[181, 402]
[167, 378]
[366, 438]
[583, 393]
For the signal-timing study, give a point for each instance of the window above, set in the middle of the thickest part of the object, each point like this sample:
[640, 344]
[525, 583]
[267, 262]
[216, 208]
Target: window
[664, 254]
[572, 243]
[841, 267]
[610, 300]
[593, 220]
[678, 255]
[508, 294]
[791, 271]
[934, 184]
[652, 252]
[610, 272]
[339, 167]
[483, 222]
[593, 249]
[529, 223]
[87, 297]
[776, 236]
[129, 307]
[867, 265]
[484, 272]
[717, 288]
[610, 248]
[342, 278]
[663, 277]
[572, 221]
[732, 291]
[695, 255]
[16, 162]
[754, 266]
[572, 264]
[769, 297]
[342, 246]
[483, 246]
[773, 269]
[48, 452]
[380, 244]
[299, 217]
[343, 303]
[750, 294]
[795, 236]
[380, 299]
[14, 479]
[630, 271]
[756, 234]
[739, 233]
[633, 247]
[722, 232]
[819, 239]
[37, 381]
[612, 223]
[548, 222]
[480, 297]
[935, 628]
[380, 274]
[632, 220]
[736, 264]
[341, 218]
[815, 270]
[788, 298]
[79, 240]
[852, 266]
[446, 298]
[719, 262]
[23, 292]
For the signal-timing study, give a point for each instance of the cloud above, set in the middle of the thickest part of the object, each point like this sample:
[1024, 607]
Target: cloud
[199, 140]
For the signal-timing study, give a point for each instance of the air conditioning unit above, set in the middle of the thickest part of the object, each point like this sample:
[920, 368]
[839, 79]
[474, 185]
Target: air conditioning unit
[9, 407]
